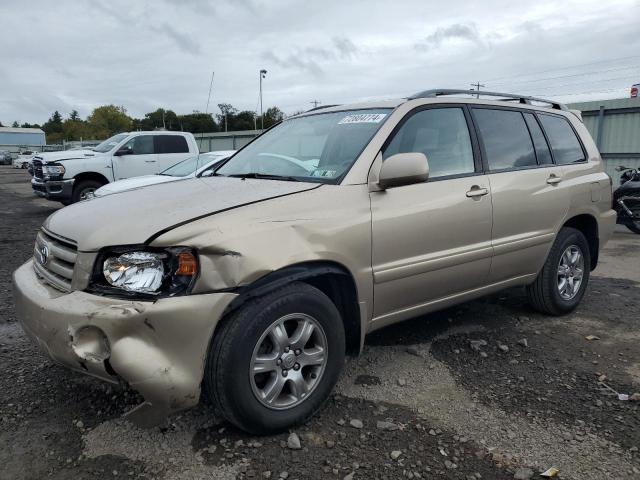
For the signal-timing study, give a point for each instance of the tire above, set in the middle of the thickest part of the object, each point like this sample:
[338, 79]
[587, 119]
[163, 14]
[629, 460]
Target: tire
[83, 187]
[544, 293]
[241, 336]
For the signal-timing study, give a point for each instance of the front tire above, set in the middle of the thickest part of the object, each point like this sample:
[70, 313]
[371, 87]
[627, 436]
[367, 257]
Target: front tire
[83, 188]
[561, 283]
[274, 362]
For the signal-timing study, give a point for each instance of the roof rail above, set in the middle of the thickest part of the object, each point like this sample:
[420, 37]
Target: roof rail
[505, 96]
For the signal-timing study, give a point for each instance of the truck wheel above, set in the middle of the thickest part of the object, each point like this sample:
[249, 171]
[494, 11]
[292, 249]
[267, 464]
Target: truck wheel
[561, 283]
[273, 362]
[84, 187]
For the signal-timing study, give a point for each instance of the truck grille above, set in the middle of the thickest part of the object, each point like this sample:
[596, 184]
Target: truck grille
[54, 259]
[37, 168]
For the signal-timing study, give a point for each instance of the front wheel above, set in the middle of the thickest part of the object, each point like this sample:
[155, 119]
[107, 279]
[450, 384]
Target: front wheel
[561, 283]
[84, 188]
[273, 362]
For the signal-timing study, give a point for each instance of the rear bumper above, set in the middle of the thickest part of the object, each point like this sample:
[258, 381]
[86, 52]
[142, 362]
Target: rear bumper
[53, 189]
[158, 348]
[606, 226]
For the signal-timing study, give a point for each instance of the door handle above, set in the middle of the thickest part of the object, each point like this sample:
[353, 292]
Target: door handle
[553, 179]
[149, 161]
[477, 191]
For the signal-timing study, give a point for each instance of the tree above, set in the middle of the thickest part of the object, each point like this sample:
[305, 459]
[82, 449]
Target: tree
[197, 123]
[53, 128]
[225, 117]
[272, 116]
[108, 120]
[74, 115]
[15, 124]
[161, 118]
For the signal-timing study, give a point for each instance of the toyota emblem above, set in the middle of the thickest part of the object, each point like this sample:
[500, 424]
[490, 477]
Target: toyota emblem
[44, 254]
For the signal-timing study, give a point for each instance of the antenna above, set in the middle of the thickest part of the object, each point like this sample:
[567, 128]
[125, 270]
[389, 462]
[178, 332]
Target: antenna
[477, 85]
[206, 111]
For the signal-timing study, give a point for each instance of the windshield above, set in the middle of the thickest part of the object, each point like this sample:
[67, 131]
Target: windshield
[109, 143]
[183, 168]
[319, 147]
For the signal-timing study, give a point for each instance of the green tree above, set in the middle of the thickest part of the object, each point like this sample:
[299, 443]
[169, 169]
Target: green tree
[272, 116]
[74, 115]
[108, 120]
[197, 122]
[53, 128]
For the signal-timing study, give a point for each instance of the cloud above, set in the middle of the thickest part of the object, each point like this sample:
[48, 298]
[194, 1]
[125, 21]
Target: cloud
[345, 47]
[456, 31]
[182, 40]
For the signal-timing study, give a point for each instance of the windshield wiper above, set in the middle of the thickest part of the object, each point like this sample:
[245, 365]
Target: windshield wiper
[264, 176]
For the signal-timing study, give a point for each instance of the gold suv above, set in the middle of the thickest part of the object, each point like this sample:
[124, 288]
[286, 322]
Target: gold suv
[247, 288]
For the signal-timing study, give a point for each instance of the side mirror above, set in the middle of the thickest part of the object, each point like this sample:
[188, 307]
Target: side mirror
[124, 151]
[403, 169]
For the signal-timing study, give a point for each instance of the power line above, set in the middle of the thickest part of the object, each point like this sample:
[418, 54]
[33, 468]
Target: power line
[592, 72]
[561, 68]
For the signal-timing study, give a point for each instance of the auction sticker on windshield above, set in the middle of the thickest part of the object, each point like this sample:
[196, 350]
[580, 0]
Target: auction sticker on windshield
[363, 118]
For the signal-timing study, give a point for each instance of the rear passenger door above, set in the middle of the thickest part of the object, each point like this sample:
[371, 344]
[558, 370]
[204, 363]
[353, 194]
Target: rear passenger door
[529, 200]
[431, 240]
[171, 150]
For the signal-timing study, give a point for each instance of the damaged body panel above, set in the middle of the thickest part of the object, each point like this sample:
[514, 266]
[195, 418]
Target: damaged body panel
[158, 348]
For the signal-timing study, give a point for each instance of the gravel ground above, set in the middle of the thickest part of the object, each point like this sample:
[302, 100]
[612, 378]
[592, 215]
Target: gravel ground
[489, 389]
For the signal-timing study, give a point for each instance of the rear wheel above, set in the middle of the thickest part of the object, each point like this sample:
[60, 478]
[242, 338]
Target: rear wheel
[83, 188]
[273, 363]
[561, 283]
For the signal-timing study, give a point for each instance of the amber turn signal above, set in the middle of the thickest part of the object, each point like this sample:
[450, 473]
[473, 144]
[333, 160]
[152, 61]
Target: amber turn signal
[187, 264]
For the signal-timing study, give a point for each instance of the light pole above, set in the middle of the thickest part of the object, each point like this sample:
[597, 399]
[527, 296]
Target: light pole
[263, 73]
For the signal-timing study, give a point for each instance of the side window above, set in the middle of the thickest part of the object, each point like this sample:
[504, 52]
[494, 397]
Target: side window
[564, 143]
[542, 149]
[171, 144]
[140, 145]
[442, 135]
[505, 137]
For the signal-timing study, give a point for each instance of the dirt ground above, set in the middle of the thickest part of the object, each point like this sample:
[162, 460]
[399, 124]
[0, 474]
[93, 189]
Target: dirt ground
[488, 389]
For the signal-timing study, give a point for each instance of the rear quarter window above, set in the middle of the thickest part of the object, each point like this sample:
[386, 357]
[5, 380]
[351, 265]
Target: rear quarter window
[564, 143]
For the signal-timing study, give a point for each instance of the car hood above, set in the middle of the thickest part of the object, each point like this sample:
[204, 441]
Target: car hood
[66, 155]
[134, 216]
[134, 182]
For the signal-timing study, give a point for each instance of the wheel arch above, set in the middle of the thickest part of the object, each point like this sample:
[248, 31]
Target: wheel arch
[331, 278]
[91, 176]
[588, 225]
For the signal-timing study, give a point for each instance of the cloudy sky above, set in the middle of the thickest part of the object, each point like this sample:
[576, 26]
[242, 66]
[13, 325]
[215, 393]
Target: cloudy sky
[68, 54]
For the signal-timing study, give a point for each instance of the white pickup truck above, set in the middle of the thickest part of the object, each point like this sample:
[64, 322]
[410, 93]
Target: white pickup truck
[70, 176]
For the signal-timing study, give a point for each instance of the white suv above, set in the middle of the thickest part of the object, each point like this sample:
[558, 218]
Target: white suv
[71, 175]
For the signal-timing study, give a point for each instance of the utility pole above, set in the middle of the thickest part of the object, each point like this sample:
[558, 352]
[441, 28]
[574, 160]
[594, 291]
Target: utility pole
[477, 85]
[263, 73]
[315, 103]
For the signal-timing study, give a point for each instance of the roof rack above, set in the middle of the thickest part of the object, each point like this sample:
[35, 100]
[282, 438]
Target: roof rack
[505, 96]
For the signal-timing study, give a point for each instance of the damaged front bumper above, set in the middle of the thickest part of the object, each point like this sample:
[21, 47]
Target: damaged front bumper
[157, 347]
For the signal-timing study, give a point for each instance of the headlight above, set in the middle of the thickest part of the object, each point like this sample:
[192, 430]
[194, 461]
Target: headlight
[165, 272]
[53, 170]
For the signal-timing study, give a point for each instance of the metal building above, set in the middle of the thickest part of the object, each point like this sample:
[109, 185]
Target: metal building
[615, 127]
[21, 137]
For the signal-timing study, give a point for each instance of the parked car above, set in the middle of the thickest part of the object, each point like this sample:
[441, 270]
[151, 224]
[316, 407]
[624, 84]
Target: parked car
[5, 157]
[200, 165]
[71, 175]
[255, 282]
[23, 159]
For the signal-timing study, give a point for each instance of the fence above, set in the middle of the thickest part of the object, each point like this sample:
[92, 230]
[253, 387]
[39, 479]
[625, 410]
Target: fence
[615, 127]
[208, 142]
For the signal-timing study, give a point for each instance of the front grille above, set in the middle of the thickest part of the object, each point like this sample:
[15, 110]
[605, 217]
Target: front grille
[54, 259]
[37, 168]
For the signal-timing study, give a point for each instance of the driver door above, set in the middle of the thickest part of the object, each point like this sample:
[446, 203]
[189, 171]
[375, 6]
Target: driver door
[141, 158]
[431, 240]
